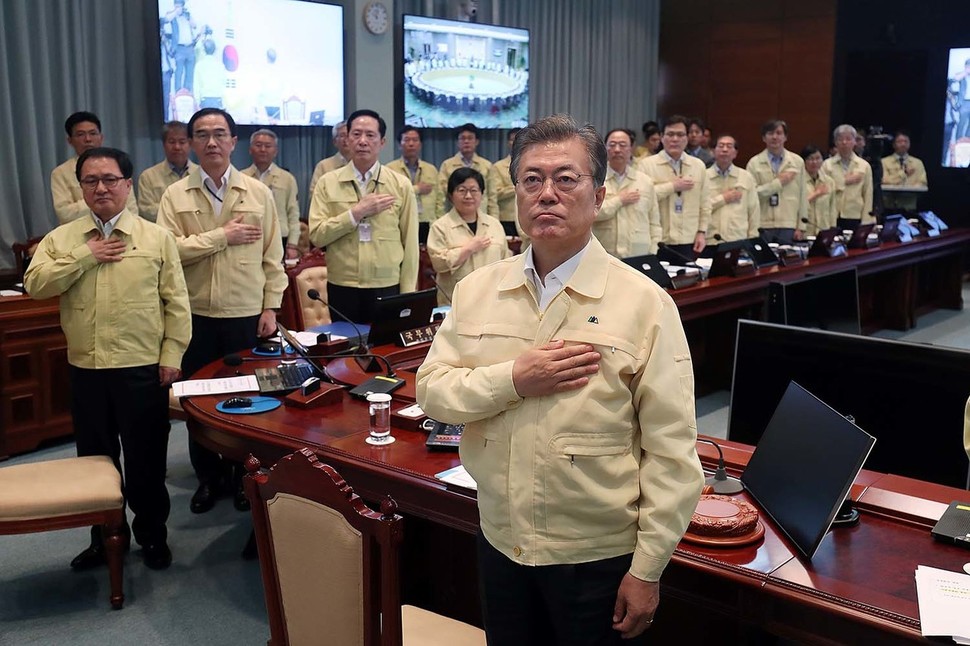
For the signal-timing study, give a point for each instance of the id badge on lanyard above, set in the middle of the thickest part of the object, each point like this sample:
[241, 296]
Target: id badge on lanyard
[364, 233]
[678, 204]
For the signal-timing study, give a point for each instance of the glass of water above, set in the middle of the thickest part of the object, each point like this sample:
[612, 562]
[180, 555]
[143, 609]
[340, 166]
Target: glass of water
[380, 419]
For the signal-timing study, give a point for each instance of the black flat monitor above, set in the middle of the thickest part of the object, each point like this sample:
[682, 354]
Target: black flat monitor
[650, 267]
[824, 301]
[760, 251]
[725, 258]
[395, 314]
[509, 227]
[804, 466]
[910, 396]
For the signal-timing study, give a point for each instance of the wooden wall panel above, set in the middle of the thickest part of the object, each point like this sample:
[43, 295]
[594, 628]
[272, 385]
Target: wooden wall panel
[737, 63]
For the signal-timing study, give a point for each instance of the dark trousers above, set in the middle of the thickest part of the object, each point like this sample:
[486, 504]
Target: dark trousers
[126, 409]
[562, 605]
[213, 339]
[184, 67]
[356, 303]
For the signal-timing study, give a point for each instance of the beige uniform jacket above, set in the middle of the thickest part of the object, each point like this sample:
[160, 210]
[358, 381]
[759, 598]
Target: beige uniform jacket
[428, 203]
[582, 475]
[634, 229]
[792, 208]
[152, 184]
[501, 191]
[283, 186]
[679, 228]
[134, 312]
[448, 235]
[391, 256]
[737, 220]
[67, 196]
[821, 211]
[333, 162]
[226, 281]
[853, 201]
[894, 175]
[452, 164]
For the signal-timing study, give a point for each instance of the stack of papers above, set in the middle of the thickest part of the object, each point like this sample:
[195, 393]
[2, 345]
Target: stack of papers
[191, 387]
[944, 603]
[458, 476]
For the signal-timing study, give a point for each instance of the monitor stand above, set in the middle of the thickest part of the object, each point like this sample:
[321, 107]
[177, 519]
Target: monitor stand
[848, 515]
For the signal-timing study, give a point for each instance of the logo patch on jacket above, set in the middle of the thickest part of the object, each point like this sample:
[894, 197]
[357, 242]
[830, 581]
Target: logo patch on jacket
[593, 319]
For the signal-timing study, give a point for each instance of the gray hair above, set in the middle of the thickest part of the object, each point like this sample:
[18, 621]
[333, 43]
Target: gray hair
[176, 126]
[844, 129]
[262, 131]
[337, 126]
[558, 128]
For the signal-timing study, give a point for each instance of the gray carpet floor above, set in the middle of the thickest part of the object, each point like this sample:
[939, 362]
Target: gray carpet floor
[210, 595]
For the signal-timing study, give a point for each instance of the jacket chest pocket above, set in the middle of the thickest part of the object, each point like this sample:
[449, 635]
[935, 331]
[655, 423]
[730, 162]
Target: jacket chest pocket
[488, 343]
[137, 277]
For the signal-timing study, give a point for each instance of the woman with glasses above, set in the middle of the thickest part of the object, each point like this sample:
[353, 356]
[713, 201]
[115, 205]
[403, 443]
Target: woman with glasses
[465, 238]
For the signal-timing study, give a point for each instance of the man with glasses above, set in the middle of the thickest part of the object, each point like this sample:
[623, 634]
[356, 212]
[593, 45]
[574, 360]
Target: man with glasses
[367, 218]
[263, 149]
[125, 313]
[83, 133]
[682, 191]
[337, 160]
[628, 222]
[176, 165]
[466, 157]
[572, 375]
[780, 176]
[229, 241]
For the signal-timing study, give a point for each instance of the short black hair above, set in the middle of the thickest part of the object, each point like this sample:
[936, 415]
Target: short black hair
[902, 132]
[459, 176]
[810, 150]
[356, 114]
[120, 156]
[79, 117]
[773, 124]
[467, 127]
[407, 129]
[652, 126]
[697, 121]
[722, 135]
[629, 133]
[674, 120]
[204, 112]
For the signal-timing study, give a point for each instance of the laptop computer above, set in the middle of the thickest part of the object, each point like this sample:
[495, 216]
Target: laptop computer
[804, 465]
[650, 267]
[780, 235]
[860, 237]
[395, 314]
[827, 244]
[760, 252]
[289, 376]
[726, 257]
[890, 229]
[317, 117]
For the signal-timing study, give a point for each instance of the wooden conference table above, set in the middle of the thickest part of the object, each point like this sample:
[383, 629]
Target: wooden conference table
[859, 588]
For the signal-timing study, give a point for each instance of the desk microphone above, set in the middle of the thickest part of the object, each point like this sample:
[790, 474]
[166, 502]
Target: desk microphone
[235, 360]
[721, 481]
[440, 290]
[365, 359]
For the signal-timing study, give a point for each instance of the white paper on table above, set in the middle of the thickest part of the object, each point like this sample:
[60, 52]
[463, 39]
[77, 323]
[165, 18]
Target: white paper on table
[458, 476]
[308, 339]
[10, 292]
[191, 387]
[944, 603]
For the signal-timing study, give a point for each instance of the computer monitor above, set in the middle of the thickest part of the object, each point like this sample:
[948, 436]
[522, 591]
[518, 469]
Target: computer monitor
[824, 301]
[804, 466]
[394, 314]
[910, 396]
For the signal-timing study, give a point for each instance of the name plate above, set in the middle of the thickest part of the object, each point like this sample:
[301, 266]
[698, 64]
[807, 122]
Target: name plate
[418, 335]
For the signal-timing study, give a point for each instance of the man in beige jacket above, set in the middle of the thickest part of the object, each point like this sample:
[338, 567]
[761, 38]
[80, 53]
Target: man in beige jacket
[780, 176]
[262, 150]
[154, 180]
[853, 179]
[628, 222]
[467, 136]
[337, 160]
[572, 375]
[735, 212]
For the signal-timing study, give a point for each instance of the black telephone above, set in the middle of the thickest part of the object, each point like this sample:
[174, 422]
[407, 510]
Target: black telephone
[442, 436]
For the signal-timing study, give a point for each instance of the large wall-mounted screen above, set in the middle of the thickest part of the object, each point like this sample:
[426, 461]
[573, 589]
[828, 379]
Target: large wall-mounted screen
[460, 72]
[956, 117]
[266, 62]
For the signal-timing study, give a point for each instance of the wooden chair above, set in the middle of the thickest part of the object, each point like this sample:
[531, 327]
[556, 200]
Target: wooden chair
[294, 110]
[330, 563]
[59, 494]
[298, 311]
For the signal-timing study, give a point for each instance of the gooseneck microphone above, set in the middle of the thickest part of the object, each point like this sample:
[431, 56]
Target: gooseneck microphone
[721, 481]
[440, 289]
[234, 360]
[315, 295]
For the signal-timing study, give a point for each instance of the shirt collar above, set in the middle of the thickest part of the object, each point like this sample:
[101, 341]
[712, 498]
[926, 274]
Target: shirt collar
[106, 228]
[726, 172]
[207, 180]
[181, 172]
[562, 273]
[673, 162]
[364, 178]
[619, 178]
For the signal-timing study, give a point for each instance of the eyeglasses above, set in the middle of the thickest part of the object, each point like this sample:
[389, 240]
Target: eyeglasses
[618, 144]
[467, 192]
[204, 136]
[109, 181]
[563, 182]
[675, 135]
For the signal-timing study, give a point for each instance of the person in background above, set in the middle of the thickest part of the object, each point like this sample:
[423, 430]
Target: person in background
[735, 208]
[821, 191]
[154, 180]
[228, 237]
[628, 222]
[423, 175]
[125, 314]
[263, 148]
[83, 133]
[502, 193]
[902, 169]
[651, 141]
[465, 238]
[572, 375]
[467, 136]
[695, 142]
[780, 176]
[852, 176]
[337, 160]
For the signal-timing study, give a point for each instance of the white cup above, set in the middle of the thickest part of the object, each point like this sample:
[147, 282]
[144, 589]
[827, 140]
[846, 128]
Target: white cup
[380, 419]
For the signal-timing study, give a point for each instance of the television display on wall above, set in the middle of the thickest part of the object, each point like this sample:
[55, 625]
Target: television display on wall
[463, 72]
[266, 62]
[956, 113]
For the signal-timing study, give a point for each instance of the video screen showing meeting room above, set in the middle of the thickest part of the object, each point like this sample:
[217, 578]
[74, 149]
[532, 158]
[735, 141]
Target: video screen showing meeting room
[956, 118]
[267, 62]
[459, 72]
